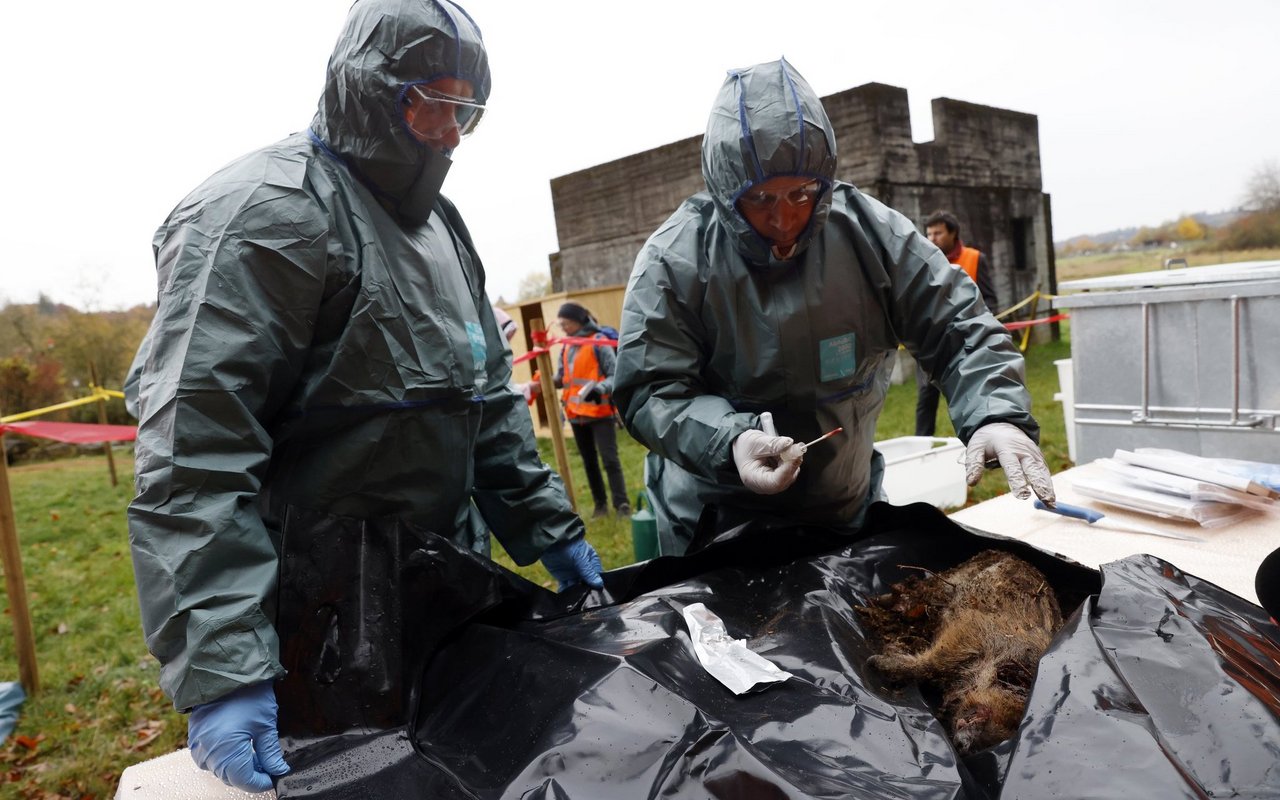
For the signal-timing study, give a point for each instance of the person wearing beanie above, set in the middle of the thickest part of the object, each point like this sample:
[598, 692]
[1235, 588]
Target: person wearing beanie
[585, 376]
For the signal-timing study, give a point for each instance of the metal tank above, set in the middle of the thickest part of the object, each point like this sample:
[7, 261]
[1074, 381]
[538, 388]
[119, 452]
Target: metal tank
[1185, 359]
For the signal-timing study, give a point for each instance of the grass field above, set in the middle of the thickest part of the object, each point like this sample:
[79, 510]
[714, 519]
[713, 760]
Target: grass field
[99, 709]
[1099, 264]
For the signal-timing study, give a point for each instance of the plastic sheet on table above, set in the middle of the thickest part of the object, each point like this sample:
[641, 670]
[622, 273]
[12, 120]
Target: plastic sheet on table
[1127, 495]
[1189, 488]
[1238, 475]
[1259, 472]
[432, 673]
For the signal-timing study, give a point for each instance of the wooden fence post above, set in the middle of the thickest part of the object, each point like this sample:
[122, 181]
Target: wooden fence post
[15, 583]
[546, 377]
[102, 420]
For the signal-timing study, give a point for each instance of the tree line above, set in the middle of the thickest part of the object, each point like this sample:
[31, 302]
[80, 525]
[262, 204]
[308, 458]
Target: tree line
[1256, 227]
[49, 353]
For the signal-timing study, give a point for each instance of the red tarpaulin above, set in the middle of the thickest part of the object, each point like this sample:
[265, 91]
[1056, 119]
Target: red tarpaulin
[73, 432]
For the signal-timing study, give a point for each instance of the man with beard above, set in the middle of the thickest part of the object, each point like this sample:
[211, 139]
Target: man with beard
[943, 229]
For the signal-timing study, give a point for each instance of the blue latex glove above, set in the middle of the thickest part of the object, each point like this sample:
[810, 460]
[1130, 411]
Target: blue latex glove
[235, 737]
[572, 562]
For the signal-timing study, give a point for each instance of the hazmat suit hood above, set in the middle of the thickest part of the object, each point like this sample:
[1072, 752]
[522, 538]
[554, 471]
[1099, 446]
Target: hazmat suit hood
[385, 48]
[766, 122]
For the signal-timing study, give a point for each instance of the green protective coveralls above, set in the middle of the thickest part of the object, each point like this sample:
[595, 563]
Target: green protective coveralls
[716, 329]
[322, 342]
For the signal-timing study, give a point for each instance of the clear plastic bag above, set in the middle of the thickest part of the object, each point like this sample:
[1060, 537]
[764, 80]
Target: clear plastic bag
[1258, 472]
[1248, 476]
[1121, 493]
[1190, 488]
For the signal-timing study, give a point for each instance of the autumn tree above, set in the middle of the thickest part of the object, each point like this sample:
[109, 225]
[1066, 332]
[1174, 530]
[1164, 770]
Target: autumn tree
[1148, 236]
[26, 385]
[51, 350]
[1189, 229]
[533, 285]
[1261, 229]
[1262, 192]
[1077, 246]
[102, 342]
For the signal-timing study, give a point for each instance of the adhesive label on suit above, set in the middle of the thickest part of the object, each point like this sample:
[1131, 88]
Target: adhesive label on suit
[837, 357]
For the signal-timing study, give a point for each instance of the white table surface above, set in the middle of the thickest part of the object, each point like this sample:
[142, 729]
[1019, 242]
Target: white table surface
[1229, 556]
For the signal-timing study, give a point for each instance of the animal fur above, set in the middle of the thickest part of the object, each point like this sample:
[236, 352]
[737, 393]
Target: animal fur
[985, 624]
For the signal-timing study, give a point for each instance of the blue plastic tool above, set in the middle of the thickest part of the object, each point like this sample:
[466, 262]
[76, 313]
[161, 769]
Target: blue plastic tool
[1095, 517]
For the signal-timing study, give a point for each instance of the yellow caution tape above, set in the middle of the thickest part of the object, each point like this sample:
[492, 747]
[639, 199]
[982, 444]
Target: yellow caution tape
[99, 395]
[1035, 296]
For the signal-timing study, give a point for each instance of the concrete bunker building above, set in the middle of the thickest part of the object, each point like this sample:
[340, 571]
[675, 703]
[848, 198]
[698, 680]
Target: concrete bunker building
[983, 164]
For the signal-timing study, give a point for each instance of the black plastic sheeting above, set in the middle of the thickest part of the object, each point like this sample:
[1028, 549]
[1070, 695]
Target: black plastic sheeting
[419, 670]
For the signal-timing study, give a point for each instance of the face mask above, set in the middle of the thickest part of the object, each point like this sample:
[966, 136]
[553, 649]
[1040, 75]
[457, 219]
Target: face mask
[421, 196]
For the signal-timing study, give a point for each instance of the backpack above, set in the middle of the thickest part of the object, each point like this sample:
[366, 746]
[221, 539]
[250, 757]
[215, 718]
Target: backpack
[609, 332]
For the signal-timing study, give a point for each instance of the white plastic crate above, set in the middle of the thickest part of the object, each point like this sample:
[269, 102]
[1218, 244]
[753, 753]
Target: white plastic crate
[924, 469]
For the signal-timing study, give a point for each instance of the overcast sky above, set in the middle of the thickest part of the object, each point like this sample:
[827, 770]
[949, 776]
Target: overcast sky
[116, 110]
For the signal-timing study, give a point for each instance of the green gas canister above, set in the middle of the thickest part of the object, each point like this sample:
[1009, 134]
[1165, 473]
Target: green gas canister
[644, 529]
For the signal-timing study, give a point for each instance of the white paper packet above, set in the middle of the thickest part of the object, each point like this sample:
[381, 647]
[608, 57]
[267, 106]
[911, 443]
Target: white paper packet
[728, 660]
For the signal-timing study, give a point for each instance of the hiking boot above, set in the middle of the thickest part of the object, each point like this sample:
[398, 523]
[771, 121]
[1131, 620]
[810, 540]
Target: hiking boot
[600, 512]
[624, 510]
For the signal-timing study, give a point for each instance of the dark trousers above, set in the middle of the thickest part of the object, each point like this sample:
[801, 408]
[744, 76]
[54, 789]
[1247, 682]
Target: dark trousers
[600, 436]
[926, 404]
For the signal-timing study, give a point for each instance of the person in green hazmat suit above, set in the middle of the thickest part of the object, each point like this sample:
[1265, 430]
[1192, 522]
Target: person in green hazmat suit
[781, 289]
[323, 343]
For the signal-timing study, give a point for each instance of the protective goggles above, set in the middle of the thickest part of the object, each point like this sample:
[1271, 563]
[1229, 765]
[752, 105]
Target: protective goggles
[803, 195]
[466, 112]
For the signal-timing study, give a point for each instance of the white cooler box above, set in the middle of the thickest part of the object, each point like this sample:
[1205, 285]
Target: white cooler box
[924, 469]
[175, 776]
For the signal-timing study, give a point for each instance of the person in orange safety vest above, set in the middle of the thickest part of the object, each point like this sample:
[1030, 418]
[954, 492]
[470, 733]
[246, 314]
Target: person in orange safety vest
[943, 229]
[586, 376]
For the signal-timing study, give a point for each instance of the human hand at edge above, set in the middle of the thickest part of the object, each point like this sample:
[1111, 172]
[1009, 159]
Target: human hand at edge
[572, 562]
[236, 737]
[767, 464]
[1023, 463]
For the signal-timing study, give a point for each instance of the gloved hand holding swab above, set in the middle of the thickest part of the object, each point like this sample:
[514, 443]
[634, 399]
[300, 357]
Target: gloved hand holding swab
[805, 447]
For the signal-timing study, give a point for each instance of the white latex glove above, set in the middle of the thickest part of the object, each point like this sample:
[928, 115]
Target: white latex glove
[767, 464]
[1023, 463]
